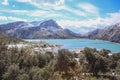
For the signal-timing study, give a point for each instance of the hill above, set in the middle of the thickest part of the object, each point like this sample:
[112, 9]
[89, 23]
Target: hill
[6, 39]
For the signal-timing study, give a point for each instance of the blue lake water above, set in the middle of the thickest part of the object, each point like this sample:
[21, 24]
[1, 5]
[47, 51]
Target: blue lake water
[81, 43]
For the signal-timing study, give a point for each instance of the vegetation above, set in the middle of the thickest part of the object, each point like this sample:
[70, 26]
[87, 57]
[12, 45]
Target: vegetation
[6, 39]
[89, 64]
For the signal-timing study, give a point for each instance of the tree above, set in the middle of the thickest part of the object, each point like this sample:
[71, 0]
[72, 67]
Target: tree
[118, 67]
[39, 74]
[32, 72]
[2, 68]
[23, 77]
[3, 50]
[12, 72]
[42, 60]
[105, 52]
[66, 64]
[56, 76]
[114, 58]
[95, 61]
[28, 61]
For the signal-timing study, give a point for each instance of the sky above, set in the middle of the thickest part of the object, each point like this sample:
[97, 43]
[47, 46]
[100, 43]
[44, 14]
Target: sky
[77, 15]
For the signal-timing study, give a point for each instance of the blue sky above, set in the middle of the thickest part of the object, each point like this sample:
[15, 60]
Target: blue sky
[77, 15]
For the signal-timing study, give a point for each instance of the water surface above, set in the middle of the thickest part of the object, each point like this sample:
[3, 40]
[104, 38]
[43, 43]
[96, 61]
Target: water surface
[81, 43]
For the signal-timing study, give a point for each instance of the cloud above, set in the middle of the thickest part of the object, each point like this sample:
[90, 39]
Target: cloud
[91, 24]
[74, 11]
[11, 18]
[41, 3]
[112, 18]
[19, 11]
[14, 11]
[78, 23]
[5, 2]
[41, 13]
[15, 19]
[51, 5]
[90, 8]
[34, 13]
[38, 13]
[23, 1]
[57, 5]
[3, 18]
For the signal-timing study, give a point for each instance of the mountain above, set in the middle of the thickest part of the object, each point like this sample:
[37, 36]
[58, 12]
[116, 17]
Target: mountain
[47, 29]
[111, 33]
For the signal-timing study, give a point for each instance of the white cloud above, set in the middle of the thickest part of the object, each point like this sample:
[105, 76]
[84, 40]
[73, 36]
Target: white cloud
[19, 11]
[113, 19]
[23, 0]
[54, 15]
[48, 4]
[15, 11]
[3, 18]
[87, 25]
[90, 8]
[41, 3]
[78, 23]
[7, 18]
[75, 12]
[38, 13]
[55, 5]
[5, 2]
[34, 13]
[15, 19]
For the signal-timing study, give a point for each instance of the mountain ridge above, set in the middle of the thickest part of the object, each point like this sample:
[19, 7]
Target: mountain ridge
[48, 29]
[111, 33]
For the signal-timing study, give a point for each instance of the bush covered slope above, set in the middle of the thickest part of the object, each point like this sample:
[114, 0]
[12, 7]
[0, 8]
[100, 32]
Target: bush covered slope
[6, 39]
[89, 64]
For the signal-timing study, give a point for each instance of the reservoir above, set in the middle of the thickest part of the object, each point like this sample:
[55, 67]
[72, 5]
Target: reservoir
[81, 43]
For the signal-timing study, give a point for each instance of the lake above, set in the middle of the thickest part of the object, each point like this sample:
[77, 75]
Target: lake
[81, 43]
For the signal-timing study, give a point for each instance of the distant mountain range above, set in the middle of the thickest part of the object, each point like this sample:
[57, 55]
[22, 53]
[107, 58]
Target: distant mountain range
[47, 29]
[111, 33]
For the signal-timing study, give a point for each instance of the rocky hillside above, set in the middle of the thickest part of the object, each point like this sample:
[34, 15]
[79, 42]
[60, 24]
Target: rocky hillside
[111, 33]
[47, 29]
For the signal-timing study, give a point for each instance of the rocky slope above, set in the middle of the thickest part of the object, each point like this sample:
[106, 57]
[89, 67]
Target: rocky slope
[111, 33]
[47, 29]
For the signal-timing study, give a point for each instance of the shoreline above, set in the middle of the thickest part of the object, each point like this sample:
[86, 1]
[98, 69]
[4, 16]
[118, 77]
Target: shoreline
[66, 45]
[48, 48]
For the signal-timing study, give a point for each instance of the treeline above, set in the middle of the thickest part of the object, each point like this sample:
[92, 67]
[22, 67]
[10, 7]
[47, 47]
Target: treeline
[89, 64]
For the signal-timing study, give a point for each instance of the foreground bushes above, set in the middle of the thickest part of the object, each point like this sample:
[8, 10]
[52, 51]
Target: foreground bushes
[89, 64]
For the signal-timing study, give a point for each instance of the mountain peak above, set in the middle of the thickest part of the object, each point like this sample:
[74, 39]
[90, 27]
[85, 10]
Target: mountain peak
[50, 24]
